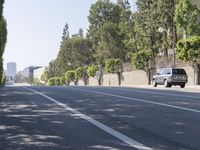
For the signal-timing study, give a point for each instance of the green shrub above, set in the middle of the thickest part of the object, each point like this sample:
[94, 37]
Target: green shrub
[52, 81]
[189, 49]
[62, 80]
[112, 65]
[70, 76]
[91, 70]
[57, 81]
[80, 71]
[140, 59]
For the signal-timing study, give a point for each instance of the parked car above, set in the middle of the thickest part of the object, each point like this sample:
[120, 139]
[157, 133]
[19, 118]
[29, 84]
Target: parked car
[170, 76]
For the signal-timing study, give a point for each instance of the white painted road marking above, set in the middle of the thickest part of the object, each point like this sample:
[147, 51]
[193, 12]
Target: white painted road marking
[98, 124]
[160, 93]
[140, 100]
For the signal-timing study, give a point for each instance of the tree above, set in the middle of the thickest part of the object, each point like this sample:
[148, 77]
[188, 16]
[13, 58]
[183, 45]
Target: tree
[76, 51]
[103, 30]
[53, 69]
[126, 32]
[79, 34]
[92, 70]
[52, 81]
[141, 60]
[146, 25]
[188, 17]
[108, 47]
[114, 66]
[65, 33]
[150, 17]
[81, 73]
[189, 49]
[3, 39]
[81, 52]
[70, 76]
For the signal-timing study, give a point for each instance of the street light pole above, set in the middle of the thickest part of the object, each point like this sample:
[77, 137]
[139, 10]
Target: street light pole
[174, 45]
[174, 36]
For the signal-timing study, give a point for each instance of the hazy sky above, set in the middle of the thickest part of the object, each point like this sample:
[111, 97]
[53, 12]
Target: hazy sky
[35, 28]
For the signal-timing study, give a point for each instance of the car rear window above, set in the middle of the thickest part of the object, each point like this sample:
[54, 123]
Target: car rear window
[178, 71]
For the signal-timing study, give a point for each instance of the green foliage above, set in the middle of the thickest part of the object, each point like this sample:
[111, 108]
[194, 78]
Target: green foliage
[187, 17]
[91, 70]
[74, 52]
[152, 15]
[37, 82]
[140, 59]
[109, 46]
[70, 76]
[109, 23]
[58, 81]
[62, 80]
[53, 69]
[1, 8]
[52, 81]
[80, 72]
[3, 39]
[189, 49]
[3, 35]
[112, 65]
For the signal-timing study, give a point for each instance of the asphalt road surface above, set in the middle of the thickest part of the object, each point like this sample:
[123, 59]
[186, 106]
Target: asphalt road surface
[99, 118]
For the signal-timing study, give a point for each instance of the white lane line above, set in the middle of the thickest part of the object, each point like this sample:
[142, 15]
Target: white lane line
[160, 93]
[98, 124]
[140, 100]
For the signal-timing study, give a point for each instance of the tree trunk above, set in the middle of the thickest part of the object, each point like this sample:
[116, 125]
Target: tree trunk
[119, 78]
[197, 74]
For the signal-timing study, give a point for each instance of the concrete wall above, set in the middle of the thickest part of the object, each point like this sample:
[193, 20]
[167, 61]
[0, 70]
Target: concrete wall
[136, 77]
[128, 78]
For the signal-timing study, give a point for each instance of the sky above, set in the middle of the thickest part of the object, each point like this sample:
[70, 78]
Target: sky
[35, 28]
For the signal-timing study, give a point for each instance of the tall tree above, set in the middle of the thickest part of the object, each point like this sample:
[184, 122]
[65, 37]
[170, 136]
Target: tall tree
[188, 17]
[3, 38]
[125, 28]
[102, 14]
[146, 25]
[65, 32]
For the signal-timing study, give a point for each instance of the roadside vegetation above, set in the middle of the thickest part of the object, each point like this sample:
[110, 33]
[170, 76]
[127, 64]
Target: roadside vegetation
[3, 39]
[117, 35]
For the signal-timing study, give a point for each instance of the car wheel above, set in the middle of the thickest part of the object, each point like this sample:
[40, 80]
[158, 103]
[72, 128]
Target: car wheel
[154, 83]
[166, 84]
[182, 85]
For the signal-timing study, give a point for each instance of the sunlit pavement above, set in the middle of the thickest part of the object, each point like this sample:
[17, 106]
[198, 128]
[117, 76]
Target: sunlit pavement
[58, 118]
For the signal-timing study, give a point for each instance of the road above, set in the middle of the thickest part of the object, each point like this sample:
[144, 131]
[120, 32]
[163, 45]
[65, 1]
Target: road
[99, 118]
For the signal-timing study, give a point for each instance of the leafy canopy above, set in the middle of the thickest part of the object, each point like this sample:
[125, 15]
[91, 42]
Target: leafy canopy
[189, 49]
[188, 17]
[113, 65]
[141, 59]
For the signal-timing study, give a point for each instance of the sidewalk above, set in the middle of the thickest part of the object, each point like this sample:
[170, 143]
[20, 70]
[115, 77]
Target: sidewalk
[194, 87]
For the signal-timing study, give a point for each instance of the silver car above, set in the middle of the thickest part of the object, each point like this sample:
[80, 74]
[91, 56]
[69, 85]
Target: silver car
[170, 76]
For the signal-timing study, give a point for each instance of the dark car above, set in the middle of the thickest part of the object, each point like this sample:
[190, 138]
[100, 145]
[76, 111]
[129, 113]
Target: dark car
[170, 76]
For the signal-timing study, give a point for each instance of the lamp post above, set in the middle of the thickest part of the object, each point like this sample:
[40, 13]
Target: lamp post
[161, 30]
[174, 46]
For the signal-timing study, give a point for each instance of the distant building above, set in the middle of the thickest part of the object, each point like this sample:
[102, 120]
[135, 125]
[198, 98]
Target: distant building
[11, 69]
[29, 71]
